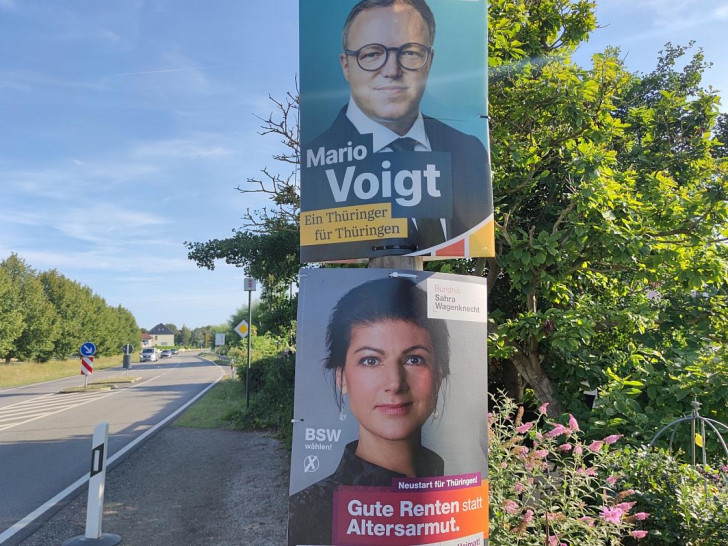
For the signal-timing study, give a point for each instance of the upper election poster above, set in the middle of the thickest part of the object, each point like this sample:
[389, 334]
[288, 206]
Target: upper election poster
[394, 154]
[390, 410]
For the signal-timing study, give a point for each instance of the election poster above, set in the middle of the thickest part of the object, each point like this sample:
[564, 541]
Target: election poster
[395, 157]
[390, 410]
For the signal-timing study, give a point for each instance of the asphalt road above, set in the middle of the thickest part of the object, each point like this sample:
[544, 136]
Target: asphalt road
[45, 436]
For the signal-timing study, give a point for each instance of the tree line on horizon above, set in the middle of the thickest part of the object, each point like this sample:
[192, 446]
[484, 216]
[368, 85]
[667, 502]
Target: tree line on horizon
[45, 315]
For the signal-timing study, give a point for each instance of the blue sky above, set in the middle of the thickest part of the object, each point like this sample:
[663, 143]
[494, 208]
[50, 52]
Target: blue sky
[125, 126]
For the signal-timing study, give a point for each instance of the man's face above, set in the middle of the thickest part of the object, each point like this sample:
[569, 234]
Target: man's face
[392, 94]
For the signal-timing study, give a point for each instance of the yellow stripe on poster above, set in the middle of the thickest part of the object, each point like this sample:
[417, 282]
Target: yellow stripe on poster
[482, 241]
[349, 224]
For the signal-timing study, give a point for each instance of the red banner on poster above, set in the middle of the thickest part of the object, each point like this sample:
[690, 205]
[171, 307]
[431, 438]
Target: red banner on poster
[410, 516]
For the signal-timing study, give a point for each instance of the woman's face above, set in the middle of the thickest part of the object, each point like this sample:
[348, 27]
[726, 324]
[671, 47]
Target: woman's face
[391, 377]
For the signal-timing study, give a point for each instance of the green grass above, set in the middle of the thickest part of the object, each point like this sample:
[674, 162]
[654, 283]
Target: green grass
[214, 409]
[17, 374]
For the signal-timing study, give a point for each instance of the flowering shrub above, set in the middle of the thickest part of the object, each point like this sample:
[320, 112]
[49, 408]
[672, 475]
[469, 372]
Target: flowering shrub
[688, 505]
[547, 487]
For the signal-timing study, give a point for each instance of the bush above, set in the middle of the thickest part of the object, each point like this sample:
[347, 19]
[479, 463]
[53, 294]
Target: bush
[548, 487]
[271, 395]
[688, 505]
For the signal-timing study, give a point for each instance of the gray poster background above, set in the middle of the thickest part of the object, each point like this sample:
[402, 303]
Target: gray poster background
[458, 435]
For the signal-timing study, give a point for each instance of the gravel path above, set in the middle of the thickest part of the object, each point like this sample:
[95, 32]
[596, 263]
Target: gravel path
[189, 486]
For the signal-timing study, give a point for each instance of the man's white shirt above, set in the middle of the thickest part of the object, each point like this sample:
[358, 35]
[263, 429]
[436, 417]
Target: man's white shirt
[382, 137]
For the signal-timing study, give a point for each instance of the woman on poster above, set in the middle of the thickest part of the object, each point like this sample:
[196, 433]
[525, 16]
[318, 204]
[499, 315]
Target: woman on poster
[390, 361]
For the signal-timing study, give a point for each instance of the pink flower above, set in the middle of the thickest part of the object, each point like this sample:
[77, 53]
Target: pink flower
[612, 480]
[639, 534]
[504, 465]
[510, 507]
[565, 447]
[553, 540]
[625, 506]
[612, 515]
[525, 427]
[612, 439]
[541, 453]
[642, 515]
[577, 450]
[573, 423]
[518, 488]
[588, 520]
[527, 517]
[543, 408]
[595, 446]
[558, 430]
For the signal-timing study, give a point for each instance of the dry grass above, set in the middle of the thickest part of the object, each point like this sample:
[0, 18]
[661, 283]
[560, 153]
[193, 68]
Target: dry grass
[16, 374]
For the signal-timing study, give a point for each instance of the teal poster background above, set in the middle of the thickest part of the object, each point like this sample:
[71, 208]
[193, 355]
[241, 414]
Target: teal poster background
[457, 86]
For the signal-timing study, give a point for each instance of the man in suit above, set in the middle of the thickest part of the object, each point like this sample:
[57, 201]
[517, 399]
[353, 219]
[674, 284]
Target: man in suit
[386, 60]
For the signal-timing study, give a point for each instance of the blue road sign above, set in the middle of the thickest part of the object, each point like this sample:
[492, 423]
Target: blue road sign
[88, 349]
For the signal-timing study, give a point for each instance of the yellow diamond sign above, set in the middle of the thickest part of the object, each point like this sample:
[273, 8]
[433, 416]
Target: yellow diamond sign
[242, 329]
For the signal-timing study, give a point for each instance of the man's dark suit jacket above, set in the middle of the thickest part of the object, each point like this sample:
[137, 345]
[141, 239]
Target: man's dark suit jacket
[470, 175]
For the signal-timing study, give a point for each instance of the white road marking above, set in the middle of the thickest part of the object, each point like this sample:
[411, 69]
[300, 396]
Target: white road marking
[35, 514]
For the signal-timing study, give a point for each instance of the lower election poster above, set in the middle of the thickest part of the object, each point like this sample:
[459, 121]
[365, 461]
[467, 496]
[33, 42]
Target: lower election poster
[390, 410]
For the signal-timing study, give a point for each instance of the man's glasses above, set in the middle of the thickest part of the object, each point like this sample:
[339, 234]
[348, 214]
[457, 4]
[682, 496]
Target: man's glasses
[410, 56]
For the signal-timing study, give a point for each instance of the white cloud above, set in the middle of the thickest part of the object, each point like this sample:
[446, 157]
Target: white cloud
[105, 222]
[181, 148]
[73, 180]
[23, 80]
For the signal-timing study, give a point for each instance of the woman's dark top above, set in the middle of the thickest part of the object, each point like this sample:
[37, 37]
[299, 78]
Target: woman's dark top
[310, 511]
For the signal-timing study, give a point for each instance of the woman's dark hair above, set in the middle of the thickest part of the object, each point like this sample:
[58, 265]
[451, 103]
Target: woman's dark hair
[390, 298]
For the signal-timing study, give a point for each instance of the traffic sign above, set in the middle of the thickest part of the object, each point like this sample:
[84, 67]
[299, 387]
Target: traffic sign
[128, 349]
[249, 283]
[242, 329]
[87, 365]
[88, 349]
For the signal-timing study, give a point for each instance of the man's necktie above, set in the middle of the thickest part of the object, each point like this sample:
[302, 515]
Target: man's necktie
[429, 229]
[405, 144]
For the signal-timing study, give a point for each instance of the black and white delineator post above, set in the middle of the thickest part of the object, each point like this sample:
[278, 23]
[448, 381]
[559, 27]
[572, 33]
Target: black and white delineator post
[96, 485]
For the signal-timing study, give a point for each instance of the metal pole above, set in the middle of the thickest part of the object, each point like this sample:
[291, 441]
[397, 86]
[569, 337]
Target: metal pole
[250, 331]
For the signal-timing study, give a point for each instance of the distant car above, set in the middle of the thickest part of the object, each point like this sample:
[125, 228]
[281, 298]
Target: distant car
[175, 351]
[149, 354]
[166, 353]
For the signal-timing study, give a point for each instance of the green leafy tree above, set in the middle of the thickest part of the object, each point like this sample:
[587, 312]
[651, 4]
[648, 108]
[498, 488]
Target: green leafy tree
[609, 188]
[11, 317]
[184, 338]
[40, 320]
[174, 329]
[72, 303]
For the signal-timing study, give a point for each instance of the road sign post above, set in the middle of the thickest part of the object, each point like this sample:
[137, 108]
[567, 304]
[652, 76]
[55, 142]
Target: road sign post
[87, 368]
[87, 350]
[127, 349]
[96, 486]
[249, 288]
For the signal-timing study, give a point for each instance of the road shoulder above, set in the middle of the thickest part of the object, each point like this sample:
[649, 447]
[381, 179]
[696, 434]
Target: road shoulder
[189, 486]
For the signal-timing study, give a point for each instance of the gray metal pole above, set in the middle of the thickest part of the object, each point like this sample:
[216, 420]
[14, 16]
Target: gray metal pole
[250, 334]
